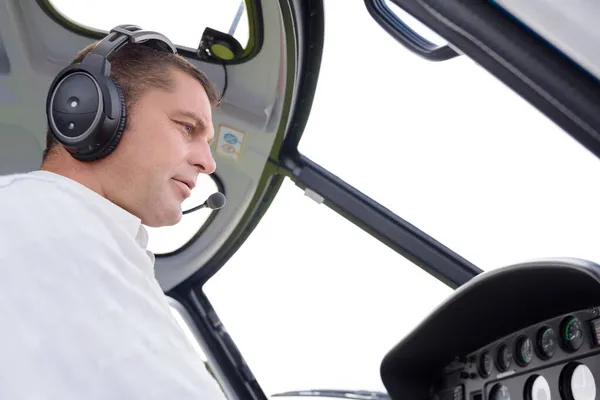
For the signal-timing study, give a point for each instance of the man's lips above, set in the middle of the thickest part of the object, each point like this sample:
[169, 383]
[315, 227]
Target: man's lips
[188, 182]
[185, 187]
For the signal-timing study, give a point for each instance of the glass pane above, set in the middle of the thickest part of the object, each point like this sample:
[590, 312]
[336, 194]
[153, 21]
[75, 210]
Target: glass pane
[312, 301]
[449, 148]
[182, 21]
[167, 239]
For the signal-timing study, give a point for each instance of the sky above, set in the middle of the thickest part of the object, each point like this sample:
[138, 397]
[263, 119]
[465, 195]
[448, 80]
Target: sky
[445, 146]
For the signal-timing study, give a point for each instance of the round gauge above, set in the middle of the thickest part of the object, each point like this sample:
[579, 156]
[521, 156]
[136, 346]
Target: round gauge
[499, 392]
[504, 358]
[546, 342]
[572, 333]
[485, 364]
[537, 388]
[577, 382]
[524, 350]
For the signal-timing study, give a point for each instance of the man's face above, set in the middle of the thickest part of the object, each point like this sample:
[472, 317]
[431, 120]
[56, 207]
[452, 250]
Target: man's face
[165, 146]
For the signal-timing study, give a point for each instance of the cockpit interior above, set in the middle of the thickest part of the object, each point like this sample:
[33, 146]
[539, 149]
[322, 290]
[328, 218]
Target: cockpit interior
[527, 330]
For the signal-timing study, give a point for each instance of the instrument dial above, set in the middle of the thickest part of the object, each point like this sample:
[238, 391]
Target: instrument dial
[499, 392]
[504, 358]
[572, 333]
[547, 342]
[524, 350]
[485, 364]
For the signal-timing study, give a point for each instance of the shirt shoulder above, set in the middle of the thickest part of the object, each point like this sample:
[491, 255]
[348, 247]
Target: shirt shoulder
[41, 206]
[16, 187]
[39, 202]
[104, 320]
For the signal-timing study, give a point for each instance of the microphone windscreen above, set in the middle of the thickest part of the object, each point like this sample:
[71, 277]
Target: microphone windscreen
[216, 200]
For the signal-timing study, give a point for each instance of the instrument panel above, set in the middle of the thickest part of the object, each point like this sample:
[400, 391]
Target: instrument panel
[525, 331]
[554, 359]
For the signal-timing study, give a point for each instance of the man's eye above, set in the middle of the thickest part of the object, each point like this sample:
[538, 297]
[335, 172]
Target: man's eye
[187, 128]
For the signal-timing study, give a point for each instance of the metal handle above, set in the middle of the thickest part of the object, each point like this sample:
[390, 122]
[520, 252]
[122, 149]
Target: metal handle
[410, 39]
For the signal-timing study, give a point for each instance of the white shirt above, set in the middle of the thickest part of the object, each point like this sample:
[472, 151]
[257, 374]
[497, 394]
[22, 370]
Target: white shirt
[81, 314]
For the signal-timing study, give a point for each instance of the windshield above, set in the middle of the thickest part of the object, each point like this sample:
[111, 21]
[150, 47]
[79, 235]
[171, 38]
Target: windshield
[313, 302]
[449, 148]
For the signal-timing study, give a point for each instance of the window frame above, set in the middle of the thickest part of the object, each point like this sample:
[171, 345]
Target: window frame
[553, 85]
[219, 350]
[404, 238]
[207, 355]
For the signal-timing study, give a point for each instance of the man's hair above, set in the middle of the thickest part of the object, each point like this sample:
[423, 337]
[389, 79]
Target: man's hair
[137, 68]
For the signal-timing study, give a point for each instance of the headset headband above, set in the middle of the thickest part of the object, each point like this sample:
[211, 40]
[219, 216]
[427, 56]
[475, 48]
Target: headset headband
[120, 35]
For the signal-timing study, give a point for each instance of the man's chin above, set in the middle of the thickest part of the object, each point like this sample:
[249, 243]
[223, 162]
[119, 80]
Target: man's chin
[159, 221]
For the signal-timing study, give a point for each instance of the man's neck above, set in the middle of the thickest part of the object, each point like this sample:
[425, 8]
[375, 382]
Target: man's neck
[63, 164]
[86, 175]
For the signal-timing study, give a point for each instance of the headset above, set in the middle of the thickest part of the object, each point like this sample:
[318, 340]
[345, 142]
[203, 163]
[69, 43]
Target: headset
[85, 107]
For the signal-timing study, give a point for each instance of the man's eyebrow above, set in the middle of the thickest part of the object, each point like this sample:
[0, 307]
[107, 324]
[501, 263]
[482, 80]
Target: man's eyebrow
[199, 121]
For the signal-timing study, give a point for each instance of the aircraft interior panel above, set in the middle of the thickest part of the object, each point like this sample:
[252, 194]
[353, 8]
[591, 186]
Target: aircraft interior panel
[528, 331]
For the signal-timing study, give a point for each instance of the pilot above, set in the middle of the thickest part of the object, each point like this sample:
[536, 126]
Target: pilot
[83, 317]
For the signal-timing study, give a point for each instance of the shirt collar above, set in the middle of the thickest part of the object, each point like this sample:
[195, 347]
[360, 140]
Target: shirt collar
[142, 239]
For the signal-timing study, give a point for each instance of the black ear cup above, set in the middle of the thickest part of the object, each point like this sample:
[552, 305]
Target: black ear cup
[116, 138]
[74, 108]
[87, 114]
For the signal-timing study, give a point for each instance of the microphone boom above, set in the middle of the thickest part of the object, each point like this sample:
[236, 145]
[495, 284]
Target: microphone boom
[215, 201]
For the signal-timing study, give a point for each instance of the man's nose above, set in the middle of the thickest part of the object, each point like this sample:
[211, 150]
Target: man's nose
[203, 158]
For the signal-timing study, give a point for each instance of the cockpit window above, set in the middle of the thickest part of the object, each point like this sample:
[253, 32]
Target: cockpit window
[309, 293]
[182, 21]
[449, 148]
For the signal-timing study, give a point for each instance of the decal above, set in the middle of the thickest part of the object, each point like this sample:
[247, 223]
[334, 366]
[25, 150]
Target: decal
[230, 142]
